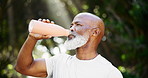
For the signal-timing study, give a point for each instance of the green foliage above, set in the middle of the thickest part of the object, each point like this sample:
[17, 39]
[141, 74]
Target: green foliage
[126, 31]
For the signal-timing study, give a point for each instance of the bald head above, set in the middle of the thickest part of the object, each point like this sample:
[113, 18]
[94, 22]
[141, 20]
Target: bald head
[86, 30]
[92, 20]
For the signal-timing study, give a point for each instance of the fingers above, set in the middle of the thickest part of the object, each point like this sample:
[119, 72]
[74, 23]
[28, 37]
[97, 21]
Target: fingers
[31, 34]
[46, 21]
[52, 22]
[49, 36]
[45, 36]
[38, 36]
[40, 19]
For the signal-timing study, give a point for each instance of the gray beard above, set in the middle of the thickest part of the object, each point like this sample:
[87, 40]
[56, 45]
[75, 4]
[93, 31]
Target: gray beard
[76, 42]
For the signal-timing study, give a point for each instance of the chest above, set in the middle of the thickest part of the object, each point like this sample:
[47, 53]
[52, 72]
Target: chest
[89, 70]
[80, 70]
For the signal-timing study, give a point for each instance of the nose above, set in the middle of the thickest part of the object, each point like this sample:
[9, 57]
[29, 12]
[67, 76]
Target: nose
[72, 29]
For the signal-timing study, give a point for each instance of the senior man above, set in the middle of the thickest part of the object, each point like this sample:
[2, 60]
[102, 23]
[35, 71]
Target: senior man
[86, 32]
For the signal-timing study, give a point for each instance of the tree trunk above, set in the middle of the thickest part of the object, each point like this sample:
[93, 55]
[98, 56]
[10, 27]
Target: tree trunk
[11, 24]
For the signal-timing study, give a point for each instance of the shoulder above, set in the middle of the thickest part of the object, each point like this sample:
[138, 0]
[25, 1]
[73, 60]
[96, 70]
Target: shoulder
[113, 72]
[103, 60]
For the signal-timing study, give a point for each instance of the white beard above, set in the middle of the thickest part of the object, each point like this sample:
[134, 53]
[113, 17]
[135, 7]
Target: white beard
[76, 42]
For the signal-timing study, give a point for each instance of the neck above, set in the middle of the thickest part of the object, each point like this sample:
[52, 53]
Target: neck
[86, 53]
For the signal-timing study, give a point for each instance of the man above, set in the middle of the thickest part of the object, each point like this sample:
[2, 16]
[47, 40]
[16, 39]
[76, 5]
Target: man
[86, 32]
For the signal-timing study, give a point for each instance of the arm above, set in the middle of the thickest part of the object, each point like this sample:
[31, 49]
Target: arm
[25, 63]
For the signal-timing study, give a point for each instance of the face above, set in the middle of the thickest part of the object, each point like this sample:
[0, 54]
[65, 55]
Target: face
[79, 33]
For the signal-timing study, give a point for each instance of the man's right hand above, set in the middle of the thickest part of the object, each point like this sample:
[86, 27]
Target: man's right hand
[39, 36]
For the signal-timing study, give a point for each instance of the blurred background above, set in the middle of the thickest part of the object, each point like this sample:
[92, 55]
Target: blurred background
[125, 43]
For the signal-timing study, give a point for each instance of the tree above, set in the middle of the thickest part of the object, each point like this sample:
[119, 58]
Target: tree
[124, 44]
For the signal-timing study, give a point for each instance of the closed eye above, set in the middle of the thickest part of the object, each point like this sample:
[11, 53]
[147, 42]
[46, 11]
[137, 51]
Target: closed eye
[78, 24]
[71, 25]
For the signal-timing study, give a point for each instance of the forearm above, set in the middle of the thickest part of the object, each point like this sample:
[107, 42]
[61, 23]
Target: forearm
[25, 57]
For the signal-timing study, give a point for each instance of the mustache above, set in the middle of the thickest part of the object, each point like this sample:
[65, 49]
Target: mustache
[73, 33]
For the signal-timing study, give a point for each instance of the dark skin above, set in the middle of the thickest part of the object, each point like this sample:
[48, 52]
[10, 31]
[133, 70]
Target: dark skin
[82, 24]
[92, 26]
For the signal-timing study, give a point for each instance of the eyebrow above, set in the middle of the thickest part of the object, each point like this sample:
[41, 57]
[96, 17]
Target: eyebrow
[76, 22]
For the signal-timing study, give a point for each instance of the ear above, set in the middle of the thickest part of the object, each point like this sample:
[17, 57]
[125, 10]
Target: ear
[96, 31]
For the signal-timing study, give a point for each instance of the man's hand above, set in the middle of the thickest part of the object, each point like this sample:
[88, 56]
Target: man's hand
[39, 36]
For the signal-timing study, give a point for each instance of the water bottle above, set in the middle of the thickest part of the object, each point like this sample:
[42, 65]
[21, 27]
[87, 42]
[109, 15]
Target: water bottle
[42, 28]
